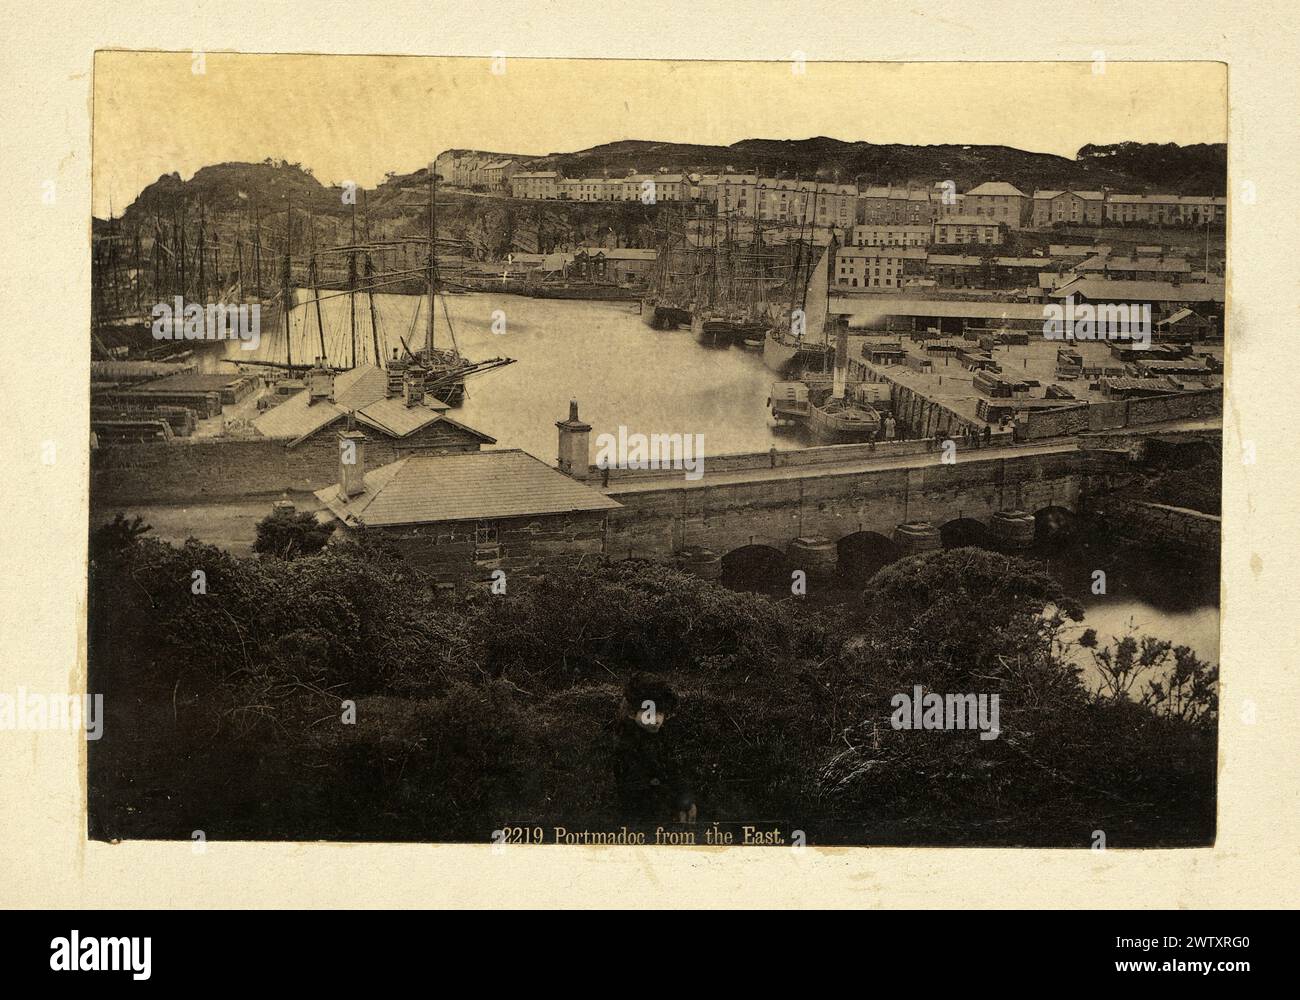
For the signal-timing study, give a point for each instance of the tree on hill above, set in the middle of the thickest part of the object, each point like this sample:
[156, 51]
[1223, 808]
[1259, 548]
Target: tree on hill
[288, 534]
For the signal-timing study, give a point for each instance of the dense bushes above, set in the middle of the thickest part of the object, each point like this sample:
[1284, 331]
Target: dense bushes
[341, 696]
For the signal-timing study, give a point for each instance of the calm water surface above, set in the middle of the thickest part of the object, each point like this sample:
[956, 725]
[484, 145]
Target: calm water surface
[623, 372]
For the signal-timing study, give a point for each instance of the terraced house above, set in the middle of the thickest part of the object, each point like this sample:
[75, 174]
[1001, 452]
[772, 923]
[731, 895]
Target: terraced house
[902, 205]
[1085, 207]
[1166, 209]
[543, 184]
[877, 267]
[999, 202]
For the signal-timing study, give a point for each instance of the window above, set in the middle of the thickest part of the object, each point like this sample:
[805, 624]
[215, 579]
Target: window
[485, 533]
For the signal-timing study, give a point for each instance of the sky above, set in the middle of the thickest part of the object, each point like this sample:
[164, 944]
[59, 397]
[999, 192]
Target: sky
[358, 117]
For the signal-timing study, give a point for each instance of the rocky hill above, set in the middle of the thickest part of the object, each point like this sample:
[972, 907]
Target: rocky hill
[232, 195]
[1130, 166]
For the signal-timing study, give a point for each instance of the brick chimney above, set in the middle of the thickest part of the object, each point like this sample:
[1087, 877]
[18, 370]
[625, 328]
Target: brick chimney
[396, 375]
[352, 463]
[574, 444]
[413, 385]
[320, 382]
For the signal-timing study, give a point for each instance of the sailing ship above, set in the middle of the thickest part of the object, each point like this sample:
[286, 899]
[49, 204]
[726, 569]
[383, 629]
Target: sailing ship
[667, 302]
[136, 272]
[446, 368]
[798, 340]
[732, 307]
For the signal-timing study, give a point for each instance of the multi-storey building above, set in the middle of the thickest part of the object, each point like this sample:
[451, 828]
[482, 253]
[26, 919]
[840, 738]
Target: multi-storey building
[670, 187]
[946, 201]
[1080, 207]
[773, 199]
[900, 206]
[543, 184]
[877, 268]
[704, 187]
[738, 194]
[497, 174]
[1165, 209]
[1001, 202]
[955, 270]
[589, 189]
[881, 235]
[960, 230]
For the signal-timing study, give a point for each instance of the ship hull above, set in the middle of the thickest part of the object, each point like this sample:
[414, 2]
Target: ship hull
[664, 317]
[835, 427]
[714, 332]
[591, 293]
[781, 355]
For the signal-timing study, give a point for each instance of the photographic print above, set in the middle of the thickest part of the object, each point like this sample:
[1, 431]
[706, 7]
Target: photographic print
[716, 454]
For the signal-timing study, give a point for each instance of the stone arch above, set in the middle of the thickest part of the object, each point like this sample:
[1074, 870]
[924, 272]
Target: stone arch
[1054, 522]
[755, 565]
[961, 532]
[863, 553]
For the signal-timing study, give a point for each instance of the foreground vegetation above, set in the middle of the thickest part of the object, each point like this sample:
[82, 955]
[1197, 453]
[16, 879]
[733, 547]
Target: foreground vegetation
[338, 695]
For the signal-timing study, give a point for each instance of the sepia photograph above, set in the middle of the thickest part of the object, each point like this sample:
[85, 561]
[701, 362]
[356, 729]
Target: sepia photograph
[631, 452]
[712, 457]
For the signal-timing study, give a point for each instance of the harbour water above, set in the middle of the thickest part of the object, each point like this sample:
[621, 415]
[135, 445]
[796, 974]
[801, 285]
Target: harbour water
[661, 382]
[600, 353]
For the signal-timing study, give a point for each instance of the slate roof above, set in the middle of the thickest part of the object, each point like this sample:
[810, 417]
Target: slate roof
[996, 188]
[363, 390]
[470, 486]
[360, 386]
[1107, 290]
[395, 418]
[295, 419]
[871, 309]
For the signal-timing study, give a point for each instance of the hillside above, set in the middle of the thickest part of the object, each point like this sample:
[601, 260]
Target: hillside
[1130, 167]
[233, 194]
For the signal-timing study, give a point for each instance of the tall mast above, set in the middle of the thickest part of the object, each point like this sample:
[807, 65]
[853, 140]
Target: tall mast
[216, 261]
[179, 232]
[139, 276]
[239, 259]
[370, 287]
[315, 286]
[200, 252]
[257, 252]
[352, 284]
[156, 253]
[286, 287]
[433, 233]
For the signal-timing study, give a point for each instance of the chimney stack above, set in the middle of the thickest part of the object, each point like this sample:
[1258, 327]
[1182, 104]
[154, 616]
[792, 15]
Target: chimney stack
[320, 382]
[574, 447]
[413, 386]
[396, 375]
[352, 464]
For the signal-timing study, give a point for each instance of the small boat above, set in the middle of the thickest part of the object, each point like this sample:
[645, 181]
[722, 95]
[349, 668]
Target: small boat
[711, 331]
[788, 402]
[664, 316]
[842, 421]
